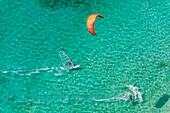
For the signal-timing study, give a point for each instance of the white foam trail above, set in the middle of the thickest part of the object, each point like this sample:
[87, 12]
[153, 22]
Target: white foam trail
[123, 96]
[52, 68]
[36, 72]
[4, 72]
[50, 71]
[44, 69]
[140, 96]
[21, 74]
[58, 74]
[62, 68]
[59, 71]
[105, 100]
[16, 72]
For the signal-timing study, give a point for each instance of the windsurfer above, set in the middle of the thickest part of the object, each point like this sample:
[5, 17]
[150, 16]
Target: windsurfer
[70, 63]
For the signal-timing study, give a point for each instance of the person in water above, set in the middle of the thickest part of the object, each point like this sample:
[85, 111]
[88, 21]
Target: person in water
[131, 98]
[70, 63]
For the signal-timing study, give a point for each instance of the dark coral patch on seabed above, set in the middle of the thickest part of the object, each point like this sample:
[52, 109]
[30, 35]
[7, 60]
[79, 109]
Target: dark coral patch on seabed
[162, 101]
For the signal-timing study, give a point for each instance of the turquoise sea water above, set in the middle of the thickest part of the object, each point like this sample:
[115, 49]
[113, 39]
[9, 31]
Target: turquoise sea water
[132, 46]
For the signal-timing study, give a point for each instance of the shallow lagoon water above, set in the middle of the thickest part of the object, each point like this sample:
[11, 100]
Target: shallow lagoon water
[131, 47]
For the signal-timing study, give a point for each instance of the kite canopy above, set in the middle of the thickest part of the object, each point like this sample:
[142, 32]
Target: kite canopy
[90, 22]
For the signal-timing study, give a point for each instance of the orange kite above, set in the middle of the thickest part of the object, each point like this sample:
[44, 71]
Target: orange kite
[90, 22]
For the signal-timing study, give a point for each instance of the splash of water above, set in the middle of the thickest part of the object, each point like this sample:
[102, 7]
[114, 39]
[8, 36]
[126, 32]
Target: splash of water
[136, 93]
[124, 96]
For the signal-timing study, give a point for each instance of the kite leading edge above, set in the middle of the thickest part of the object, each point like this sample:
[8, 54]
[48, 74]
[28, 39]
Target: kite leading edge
[90, 22]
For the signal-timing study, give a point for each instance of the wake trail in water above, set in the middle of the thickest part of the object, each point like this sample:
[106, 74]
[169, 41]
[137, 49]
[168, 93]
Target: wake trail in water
[120, 97]
[58, 71]
[124, 96]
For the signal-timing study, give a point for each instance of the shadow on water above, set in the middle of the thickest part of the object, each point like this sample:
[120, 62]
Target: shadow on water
[162, 101]
[57, 4]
